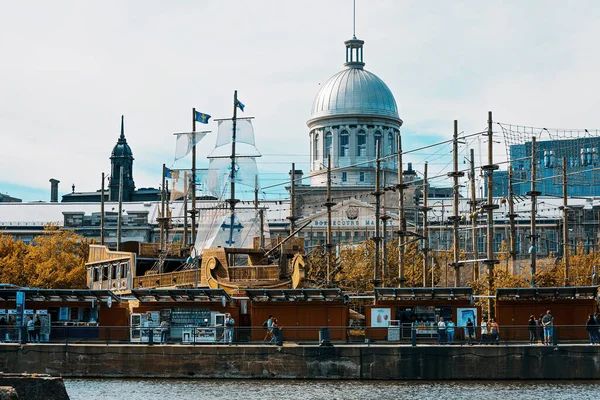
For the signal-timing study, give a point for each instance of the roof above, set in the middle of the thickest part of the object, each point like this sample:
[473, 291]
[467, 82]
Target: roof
[283, 295]
[58, 295]
[355, 91]
[542, 293]
[196, 295]
[437, 293]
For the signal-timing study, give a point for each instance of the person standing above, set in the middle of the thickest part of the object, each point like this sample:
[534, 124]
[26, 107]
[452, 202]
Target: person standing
[470, 331]
[592, 328]
[450, 331]
[532, 327]
[547, 323]
[229, 324]
[441, 331]
[484, 331]
[37, 327]
[493, 328]
[164, 331]
[31, 329]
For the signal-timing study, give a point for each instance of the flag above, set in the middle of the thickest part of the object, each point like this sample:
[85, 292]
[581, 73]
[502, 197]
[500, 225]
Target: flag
[186, 142]
[202, 118]
[240, 105]
[168, 173]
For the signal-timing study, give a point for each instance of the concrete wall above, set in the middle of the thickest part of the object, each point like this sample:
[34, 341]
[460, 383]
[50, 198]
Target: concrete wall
[29, 386]
[305, 362]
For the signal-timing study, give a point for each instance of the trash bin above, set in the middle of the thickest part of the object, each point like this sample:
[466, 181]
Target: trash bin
[324, 337]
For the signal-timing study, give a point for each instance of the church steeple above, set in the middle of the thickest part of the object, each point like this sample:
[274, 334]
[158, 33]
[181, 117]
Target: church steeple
[121, 157]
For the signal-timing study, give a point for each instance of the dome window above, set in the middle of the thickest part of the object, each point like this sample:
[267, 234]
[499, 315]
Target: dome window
[328, 144]
[344, 144]
[361, 144]
[316, 147]
[377, 141]
[390, 144]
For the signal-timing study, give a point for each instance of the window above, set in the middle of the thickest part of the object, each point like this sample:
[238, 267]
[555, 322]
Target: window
[316, 147]
[361, 176]
[361, 144]
[391, 147]
[344, 144]
[344, 177]
[377, 140]
[328, 144]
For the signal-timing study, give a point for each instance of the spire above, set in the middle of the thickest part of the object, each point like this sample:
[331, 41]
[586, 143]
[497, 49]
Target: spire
[354, 19]
[122, 137]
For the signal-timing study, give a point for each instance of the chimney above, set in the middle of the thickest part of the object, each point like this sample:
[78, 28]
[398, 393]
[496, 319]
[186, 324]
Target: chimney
[298, 174]
[54, 190]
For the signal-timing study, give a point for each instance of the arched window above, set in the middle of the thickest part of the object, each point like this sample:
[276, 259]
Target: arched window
[316, 147]
[328, 144]
[391, 147]
[361, 144]
[377, 140]
[344, 144]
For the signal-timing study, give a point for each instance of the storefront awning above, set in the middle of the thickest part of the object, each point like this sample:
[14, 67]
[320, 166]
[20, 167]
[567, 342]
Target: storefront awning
[461, 293]
[574, 292]
[296, 295]
[198, 295]
[58, 295]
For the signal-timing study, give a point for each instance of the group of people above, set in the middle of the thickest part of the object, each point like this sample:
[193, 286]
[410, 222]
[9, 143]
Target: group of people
[446, 331]
[273, 330]
[592, 327]
[490, 331]
[541, 329]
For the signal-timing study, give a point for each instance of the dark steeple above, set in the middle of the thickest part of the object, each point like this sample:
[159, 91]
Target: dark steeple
[121, 157]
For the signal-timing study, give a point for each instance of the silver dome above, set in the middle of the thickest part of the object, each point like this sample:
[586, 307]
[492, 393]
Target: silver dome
[354, 91]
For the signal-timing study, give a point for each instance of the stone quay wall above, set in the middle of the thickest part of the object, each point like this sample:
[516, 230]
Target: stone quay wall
[305, 362]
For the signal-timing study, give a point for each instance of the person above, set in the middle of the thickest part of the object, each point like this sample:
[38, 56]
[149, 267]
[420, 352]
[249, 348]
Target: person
[441, 331]
[493, 328]
[470, 331]
[164, 331]
[532, 327]
[450, 331]
[37, 326]
[547, 323]
[229, 323]
[2, 329]
[268, 325]
[30, 329]
[592, 328]
[484, 331]
[275, 327]
[540, 329]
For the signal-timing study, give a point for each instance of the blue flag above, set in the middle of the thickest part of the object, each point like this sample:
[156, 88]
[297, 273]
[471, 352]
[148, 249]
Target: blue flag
[168, 173]
[202, 118]
[240, 105]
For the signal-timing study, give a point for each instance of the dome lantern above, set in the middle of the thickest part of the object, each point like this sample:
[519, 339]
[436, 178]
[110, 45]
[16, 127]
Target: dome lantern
[354, 53]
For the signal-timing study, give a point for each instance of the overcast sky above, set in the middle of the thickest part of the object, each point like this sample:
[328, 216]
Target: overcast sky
[69, 69]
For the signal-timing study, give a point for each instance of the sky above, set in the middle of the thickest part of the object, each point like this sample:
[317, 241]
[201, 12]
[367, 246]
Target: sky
[70, 69]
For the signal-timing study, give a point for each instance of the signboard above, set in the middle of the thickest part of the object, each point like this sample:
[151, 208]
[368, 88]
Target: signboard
[380, 317]
[463, 315]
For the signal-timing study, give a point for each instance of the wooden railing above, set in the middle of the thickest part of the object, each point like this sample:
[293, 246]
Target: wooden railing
[179, 278]
[258, 273]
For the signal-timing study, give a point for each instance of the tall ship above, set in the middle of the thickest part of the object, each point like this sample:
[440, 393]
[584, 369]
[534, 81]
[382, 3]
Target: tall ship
[230, 247]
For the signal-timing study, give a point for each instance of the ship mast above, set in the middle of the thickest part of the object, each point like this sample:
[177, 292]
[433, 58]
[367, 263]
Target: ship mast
[232, 200]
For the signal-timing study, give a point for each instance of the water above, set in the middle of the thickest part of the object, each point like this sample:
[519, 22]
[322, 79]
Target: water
[130, 389]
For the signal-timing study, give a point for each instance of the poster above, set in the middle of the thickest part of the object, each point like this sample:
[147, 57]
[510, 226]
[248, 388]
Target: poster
[463, 315]
[380, 317]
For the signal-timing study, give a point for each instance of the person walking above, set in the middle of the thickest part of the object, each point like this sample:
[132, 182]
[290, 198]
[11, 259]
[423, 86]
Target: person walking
[592, 329]
[268, 325]
[532, 327]
[450, 331]
[548, 323]
[470, 331]
[275, 334]
[229, 324]
[441, 331]
[164, 331]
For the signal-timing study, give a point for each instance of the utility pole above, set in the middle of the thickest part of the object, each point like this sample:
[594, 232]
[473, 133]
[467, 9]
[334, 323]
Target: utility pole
[292, 216]
[533, 193]
[193, 185]
[260, 214]
[384, 218]
[401, 219]
[102, 212]
[329, 203]
[565, 222]
[120, 216]
[513, 227]
[455, 219]
[377, 237]
[490, 207]
[425, 209]
[474, 214]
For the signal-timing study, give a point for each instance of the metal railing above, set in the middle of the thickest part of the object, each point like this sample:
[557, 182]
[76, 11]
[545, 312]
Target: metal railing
[337, 335]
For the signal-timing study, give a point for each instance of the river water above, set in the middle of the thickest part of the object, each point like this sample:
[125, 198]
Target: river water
[130, 389]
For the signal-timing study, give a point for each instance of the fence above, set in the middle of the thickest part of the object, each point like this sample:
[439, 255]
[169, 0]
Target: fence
[340, 335]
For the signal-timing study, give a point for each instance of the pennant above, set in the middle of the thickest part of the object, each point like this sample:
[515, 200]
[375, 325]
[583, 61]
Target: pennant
[202, 117]
[240, 105]
[186, 142]
[167, 173]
